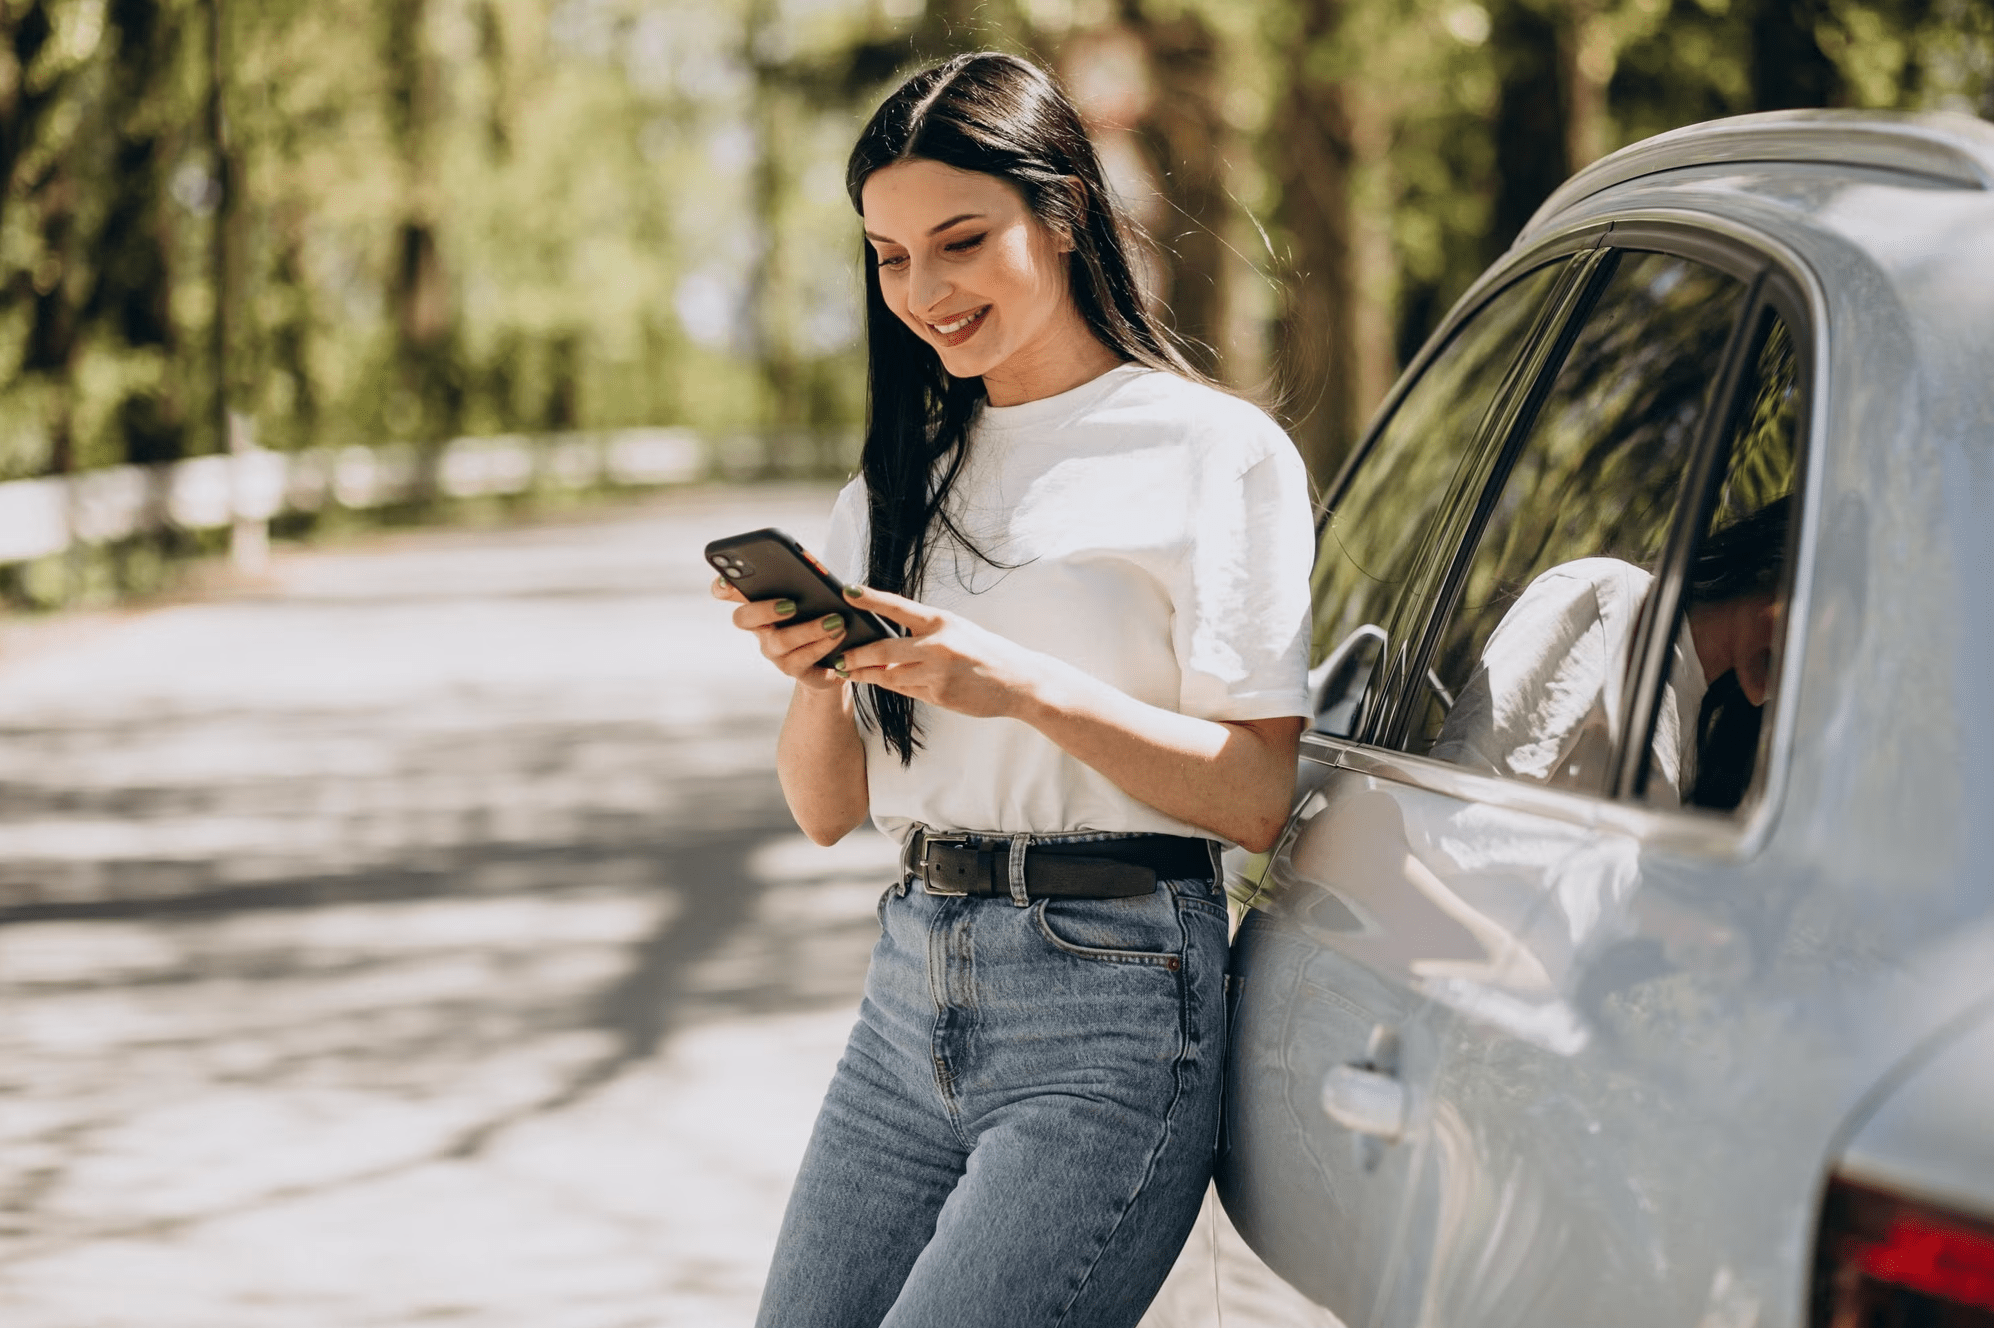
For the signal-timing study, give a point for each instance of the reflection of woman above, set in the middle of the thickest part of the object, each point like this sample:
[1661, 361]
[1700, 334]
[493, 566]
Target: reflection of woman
[1104, 675]
[1545, 702]
[1733, 594]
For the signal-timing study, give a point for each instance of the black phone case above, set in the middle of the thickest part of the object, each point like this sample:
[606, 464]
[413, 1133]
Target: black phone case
[767, 564]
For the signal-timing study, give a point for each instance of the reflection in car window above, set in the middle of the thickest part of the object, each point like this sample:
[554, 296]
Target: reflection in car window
[1527, 679]
[1735, 593]
[1371, 539]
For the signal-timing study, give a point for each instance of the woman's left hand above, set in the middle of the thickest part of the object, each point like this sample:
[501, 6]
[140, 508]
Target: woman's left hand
[945, 659]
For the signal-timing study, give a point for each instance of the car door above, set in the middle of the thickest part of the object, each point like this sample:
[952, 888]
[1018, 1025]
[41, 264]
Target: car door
[1316, 988]
[1610, 1141]
[1402, 921]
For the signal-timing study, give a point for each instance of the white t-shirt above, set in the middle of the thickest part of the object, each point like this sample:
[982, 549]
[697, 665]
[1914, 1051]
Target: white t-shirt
[1150, 531]
[1545, 703]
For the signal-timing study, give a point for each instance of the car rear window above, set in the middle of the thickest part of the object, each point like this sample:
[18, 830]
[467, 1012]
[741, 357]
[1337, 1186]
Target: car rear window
[1527, 676]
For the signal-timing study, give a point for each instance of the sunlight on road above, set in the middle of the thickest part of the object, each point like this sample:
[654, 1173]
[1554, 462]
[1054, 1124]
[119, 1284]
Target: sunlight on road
[419, 936]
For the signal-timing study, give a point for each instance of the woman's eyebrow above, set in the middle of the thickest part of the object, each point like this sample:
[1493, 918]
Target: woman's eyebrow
[932, 230]
[967, 216]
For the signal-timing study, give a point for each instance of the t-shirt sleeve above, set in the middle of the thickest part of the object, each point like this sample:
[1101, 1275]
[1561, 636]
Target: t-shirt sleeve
[1241, 626]
[845, 543]
[1549, 682]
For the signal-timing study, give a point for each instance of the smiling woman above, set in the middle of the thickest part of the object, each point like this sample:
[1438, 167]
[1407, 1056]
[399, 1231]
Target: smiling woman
[984, 286]
[1101, 563]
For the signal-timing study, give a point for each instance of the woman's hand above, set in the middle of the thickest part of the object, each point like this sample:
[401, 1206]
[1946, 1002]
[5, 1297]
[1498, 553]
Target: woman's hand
[794, 648]
[944, 660]
[818, 757]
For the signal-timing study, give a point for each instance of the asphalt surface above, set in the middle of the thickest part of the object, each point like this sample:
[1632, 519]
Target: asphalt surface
[416, 935]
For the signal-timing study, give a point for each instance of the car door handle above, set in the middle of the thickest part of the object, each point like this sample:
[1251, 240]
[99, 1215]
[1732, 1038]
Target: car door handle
[1365, 1100]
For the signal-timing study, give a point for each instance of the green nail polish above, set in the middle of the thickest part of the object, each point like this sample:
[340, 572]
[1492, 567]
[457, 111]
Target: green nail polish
[833, 624]
[838, 666]
[854, 592]
[784, 607]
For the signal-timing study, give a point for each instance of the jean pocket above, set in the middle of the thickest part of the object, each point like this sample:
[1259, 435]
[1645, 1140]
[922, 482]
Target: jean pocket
[1140, 929]
[879, 909]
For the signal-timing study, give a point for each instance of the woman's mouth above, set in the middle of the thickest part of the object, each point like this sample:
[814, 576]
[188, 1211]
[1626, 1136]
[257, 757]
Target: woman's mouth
[961, 328]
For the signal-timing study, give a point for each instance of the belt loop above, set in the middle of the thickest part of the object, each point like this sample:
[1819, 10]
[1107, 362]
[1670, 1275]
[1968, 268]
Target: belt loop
[1017, 865]
[911, 854]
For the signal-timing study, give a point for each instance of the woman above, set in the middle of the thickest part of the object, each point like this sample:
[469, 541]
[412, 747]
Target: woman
[1101, 563]
[1544, 702]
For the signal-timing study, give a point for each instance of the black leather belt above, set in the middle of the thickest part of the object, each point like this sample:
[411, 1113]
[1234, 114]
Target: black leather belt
[968, 864]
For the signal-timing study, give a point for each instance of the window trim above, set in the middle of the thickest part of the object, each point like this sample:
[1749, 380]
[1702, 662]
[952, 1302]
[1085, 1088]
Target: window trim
[1793, 289]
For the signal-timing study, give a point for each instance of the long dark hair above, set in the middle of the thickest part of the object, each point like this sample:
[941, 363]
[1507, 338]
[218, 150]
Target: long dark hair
[998, 115]
[1747, 557]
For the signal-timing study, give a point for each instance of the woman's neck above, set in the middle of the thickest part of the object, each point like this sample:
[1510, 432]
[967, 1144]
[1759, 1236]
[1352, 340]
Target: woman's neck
[1067, 356]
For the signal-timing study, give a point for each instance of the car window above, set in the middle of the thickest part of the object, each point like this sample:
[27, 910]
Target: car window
[1527, 676]
[1371, 539]
[1736, 587]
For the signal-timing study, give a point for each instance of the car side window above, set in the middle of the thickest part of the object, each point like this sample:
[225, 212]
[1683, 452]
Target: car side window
[1736, 588]
[1372, 537]
[1527, 678]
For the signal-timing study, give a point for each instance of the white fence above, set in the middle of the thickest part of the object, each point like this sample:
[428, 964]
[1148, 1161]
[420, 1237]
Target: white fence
[245, 489]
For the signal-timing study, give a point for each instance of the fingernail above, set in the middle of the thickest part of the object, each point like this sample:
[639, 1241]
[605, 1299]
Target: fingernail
[838, 666]
[784, 607]
[854, 592]
[833, 624]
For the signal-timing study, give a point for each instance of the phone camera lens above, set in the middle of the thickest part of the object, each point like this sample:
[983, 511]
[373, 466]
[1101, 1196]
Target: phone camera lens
[732, 573]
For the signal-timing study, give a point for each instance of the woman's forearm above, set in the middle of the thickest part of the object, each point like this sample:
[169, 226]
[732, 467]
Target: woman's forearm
[820, 760]
[1235, 779]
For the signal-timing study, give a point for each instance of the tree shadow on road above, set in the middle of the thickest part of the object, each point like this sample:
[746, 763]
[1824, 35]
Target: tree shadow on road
[386, 948]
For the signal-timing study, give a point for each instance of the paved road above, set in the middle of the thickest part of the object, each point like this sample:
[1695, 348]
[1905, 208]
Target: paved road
[417, 936]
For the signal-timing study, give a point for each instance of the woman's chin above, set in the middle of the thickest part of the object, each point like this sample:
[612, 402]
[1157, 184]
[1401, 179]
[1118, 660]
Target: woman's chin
[966, 363]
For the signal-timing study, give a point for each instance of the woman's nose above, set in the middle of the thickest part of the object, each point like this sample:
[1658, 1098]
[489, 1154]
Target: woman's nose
[927, 289]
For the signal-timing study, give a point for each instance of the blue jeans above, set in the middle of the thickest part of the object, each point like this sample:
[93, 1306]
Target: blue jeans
[1022, 1127]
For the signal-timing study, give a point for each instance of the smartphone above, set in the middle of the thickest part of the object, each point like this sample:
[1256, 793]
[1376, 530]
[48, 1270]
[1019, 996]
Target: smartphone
[767, 564]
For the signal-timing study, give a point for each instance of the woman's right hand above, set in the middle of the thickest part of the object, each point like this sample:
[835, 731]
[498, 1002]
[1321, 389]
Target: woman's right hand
[792, 647]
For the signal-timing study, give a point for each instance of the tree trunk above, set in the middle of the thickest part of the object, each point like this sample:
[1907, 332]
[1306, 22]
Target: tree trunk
[1187, 137]
[1530, 140]
[1585, 52]
[1315, 354]
[25, 31]
[132, 292]
[1789, 69]
[419, 288]
[770, 290]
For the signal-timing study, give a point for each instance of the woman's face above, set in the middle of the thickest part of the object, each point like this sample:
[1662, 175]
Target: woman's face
[1738, 635]
[967, 266]
[1758, 632]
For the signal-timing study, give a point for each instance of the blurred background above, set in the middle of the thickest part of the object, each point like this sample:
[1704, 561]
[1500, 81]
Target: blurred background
[306, 228]
[399, 919]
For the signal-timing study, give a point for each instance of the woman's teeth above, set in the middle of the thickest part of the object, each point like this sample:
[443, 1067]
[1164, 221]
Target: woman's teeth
[950, 329]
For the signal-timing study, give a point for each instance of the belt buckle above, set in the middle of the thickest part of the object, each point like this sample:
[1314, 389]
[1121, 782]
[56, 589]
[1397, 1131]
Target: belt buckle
[928, 887]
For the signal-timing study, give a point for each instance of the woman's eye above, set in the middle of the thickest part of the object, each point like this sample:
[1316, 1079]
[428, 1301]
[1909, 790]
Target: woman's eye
[895, 261]
[964, 246]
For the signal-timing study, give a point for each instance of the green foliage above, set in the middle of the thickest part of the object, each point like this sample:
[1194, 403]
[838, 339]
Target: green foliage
[431, 217]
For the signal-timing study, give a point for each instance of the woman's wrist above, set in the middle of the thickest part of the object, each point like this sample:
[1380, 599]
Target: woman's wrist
[1050, 692]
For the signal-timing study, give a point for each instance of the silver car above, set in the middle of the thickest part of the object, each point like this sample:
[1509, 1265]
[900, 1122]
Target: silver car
[1629, 956]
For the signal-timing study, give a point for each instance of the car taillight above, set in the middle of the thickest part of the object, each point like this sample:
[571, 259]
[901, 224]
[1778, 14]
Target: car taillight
[1883, 1261]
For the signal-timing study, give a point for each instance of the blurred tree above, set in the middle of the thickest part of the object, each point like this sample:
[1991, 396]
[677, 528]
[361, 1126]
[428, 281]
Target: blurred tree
[1192, 148]
[1312, 147]
[489, 215]
[1530, 131]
